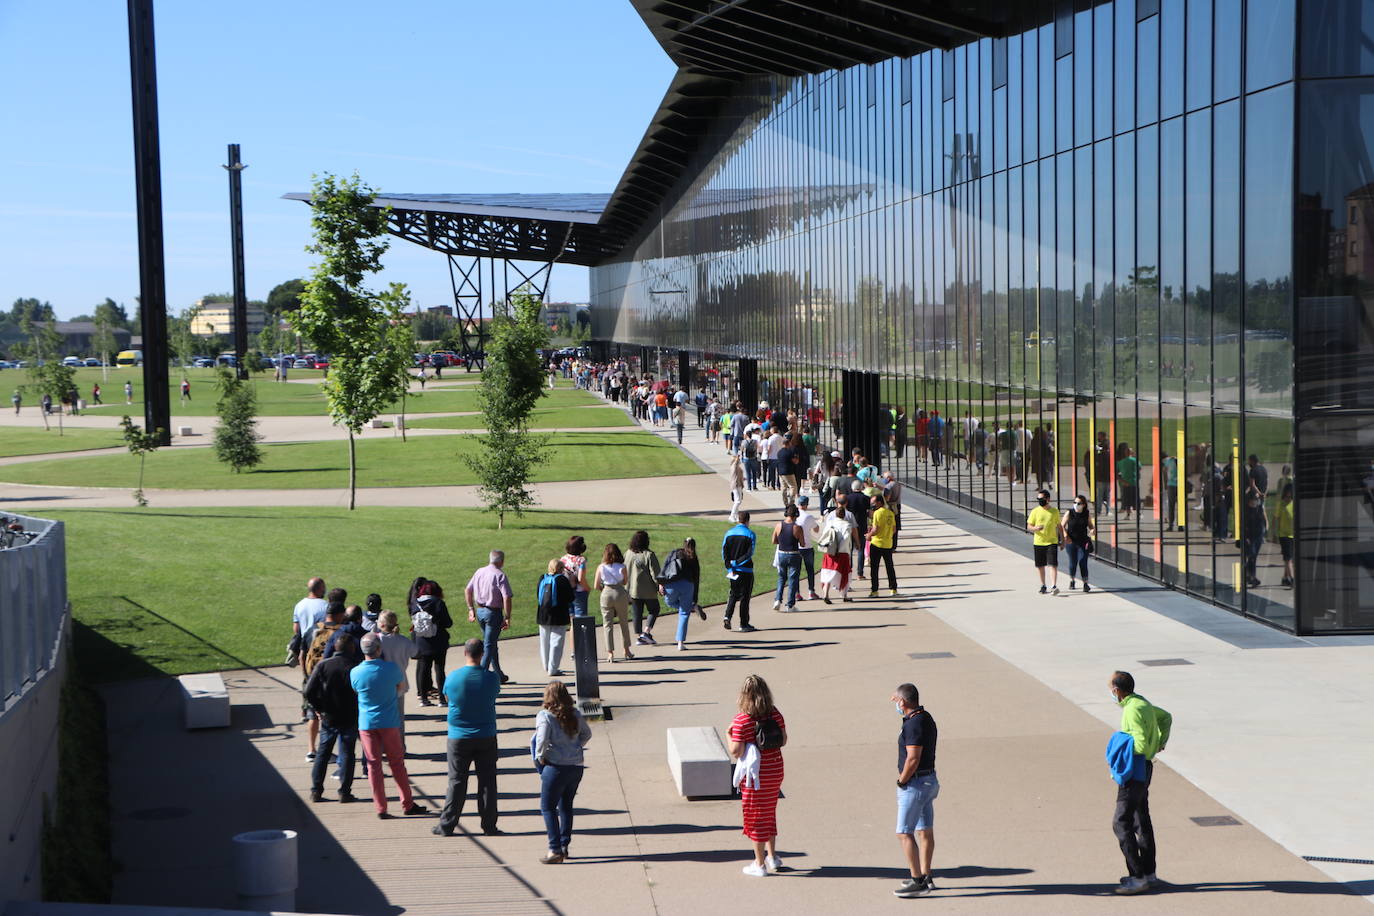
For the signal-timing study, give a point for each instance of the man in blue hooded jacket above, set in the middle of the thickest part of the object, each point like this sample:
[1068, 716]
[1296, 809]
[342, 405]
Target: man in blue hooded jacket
[737, 551]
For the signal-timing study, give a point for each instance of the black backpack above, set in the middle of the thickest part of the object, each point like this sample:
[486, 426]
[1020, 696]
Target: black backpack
[751, 448]
[767, 733]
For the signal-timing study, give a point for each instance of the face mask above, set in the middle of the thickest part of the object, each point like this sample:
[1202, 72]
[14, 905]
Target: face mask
[1042, 501]
[1112, 694]
[900, 710]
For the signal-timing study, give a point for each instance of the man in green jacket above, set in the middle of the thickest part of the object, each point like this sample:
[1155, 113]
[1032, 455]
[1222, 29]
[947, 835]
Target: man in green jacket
[1149, 727]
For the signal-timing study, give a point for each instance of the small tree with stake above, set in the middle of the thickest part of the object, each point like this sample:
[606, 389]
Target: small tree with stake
[512, 383]
[140, 444]
[236, 436]
[48, 373]
[344, 318]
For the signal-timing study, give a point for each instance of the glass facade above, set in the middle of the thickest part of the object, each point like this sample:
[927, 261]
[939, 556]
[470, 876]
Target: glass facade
[1121, 254]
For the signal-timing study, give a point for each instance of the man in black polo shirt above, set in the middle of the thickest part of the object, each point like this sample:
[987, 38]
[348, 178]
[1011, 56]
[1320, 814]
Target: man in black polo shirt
[330, 693]
[917, 788]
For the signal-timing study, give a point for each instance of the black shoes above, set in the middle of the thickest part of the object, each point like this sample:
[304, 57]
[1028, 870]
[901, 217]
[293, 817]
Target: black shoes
[317, 795]
[347, 797]
[440, 831]
[746, 628]
[412, 808]
[725, 622]
[493, 831]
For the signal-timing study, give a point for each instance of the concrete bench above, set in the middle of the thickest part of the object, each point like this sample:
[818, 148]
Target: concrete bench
[184, 431]
[701, 767]
[205, 700]
[377, 423]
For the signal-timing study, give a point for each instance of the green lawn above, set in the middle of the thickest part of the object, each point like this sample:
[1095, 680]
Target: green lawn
[167, 592]
[384, 461]
[541, 418]
[24, 441]
[278, 399]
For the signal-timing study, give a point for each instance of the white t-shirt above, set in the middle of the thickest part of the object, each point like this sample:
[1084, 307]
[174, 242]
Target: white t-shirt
[309, 611]
[612, 573]
[810, 526]
[774, 444]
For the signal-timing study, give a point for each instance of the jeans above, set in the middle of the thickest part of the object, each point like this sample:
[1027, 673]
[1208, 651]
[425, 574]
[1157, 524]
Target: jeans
[741, 589]
[347, 739]
[808, 555]
[551, 647]
[557, 789]
[1078, 561]
[789, 575]
[580, 603]
[770, 472]
[751, 473]
[379, 742]
[638, 607]
[678, 596]
[916, 804]
[463, 753]
[490, 621]
[876, 553]
[1132, 825]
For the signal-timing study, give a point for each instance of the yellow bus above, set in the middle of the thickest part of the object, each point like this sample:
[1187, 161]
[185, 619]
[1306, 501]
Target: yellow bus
[129, 358]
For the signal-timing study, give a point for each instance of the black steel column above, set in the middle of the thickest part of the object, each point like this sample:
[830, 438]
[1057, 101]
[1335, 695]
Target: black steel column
[684, 370]
[860, 415]
[749, 385]
[235, 169]
[157, 408]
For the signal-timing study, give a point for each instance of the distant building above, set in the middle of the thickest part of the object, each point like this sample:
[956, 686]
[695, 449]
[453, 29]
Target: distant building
[78, 338]
[218, 318]
[440, 310]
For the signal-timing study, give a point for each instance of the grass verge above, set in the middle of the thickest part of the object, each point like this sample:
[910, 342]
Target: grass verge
[24, 441]
[168, 592]
[540, 418]
[423, 461]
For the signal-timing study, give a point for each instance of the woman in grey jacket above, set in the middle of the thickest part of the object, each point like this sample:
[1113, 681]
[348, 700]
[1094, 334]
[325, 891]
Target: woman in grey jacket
[560, 733]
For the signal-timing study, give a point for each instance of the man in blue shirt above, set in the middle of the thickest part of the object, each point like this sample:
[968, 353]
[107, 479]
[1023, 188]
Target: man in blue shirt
[378, 683]
[471, 694]
[737, 550]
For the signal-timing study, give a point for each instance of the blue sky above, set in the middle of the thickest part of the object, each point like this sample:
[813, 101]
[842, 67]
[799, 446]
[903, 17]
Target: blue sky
[417, 96]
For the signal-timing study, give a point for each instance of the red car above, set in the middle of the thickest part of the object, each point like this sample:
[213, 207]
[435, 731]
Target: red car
[321, 363]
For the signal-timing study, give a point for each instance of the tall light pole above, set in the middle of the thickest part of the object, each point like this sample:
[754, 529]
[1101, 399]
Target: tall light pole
[152, 299]
[235, 169]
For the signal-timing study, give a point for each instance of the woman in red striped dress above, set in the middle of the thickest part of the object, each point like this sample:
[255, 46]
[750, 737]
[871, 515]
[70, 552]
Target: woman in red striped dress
[761, 801]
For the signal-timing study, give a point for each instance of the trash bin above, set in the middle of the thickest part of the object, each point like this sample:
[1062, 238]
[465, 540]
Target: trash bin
[265, 872]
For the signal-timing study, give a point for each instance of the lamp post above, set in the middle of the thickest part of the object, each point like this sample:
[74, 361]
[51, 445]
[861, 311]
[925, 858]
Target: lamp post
[235, 169]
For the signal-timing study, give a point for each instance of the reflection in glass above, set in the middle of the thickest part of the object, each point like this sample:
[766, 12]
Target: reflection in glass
[1268, 42]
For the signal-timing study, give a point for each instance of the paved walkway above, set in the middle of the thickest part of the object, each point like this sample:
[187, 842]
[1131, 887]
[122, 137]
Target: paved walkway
[1016, 681]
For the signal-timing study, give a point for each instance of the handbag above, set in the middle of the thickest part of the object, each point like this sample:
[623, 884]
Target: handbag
[671, 570]
[767, 733]
[1089, 547]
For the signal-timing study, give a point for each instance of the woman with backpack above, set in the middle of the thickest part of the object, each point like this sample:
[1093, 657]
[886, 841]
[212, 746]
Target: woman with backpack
[641, 579]
[429, 624]
[680, 583]
[757, 737]
[615, 600]
[836, 541]
[555, 596]
[575, 568]
[560, 734]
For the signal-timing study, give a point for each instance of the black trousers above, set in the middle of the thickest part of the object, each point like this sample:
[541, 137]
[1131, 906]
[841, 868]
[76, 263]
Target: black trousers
[1132, 826]
[876, 553]
[429, 673]
[741, 589]
[808, 555]
[463, 753]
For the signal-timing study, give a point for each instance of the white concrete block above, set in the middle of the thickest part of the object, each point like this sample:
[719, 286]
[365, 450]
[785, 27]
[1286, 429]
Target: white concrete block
[378, 423]
[700, 766]
[184, 431]
[205, 700]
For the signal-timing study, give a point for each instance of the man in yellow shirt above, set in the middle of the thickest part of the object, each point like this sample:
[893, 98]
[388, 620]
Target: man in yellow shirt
[1043, 522]
[882, 529]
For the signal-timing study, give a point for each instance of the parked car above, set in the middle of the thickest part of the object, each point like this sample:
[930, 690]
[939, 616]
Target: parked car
[73, 361]
[267, 363]
[301, 364]
[6, 364]
[321, 362]
[92, 363]
[203, 362]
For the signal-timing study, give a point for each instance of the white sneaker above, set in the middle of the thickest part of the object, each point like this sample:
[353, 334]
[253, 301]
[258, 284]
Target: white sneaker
[773, 864]
[776, 605]
[1130, 886]
[755, 870]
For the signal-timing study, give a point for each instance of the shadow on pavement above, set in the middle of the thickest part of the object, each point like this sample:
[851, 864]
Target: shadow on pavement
[1304, 888]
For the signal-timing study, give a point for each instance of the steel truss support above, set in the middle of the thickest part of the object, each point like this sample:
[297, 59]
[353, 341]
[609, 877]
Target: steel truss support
[465, 278]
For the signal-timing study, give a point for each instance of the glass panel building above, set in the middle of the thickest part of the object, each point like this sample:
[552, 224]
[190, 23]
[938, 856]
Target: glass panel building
[1123, 251]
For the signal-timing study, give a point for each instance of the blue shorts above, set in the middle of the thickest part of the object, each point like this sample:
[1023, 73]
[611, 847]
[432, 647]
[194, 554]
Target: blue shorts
[916, 804]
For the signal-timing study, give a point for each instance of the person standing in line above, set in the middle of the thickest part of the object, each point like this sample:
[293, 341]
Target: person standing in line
[761, 781]
[736, 486]
[1170, 490]
[307, 614]
[737, 552]
[917, 789]
[185, 389]
[712, 420]
[1256, 528]
[329, 691]
[1079, 528]
[430, 621]
[836, 539]
[788, 538]
[751, 450]
[575, 568]
[560, 734]
[858, 506]
[892, 498]
[615, 600]
[1043, 522]
[641, 580]
[788, 456]
[555, 596]
[811, 528]
[128, 392]
[679, 419]
[1148, 726]
[488, 595]
[1283, 531]
[399, 650]
[471, 692]
[727, 421]
[882, 533]
[680, 585]
[379, 683]
[738, 421]
[1128, 474]
[700, 402]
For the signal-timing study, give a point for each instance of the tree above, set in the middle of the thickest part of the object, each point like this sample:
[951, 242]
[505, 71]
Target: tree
[401, 338]
[140, 444]
[104, 340]
[48, 374]
[512, 383]
[341, 315]
[285, 297]
[184, 343]
[236, 436]
[115, 312]
[31, 310]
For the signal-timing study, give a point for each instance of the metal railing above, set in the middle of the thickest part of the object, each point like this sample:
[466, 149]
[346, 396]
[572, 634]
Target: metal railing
[33, 601]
